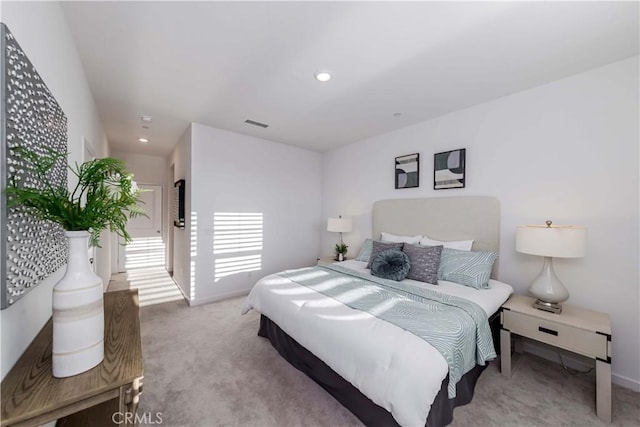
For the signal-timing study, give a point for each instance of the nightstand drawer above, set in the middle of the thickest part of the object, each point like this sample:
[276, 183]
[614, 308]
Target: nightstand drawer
[587, 343]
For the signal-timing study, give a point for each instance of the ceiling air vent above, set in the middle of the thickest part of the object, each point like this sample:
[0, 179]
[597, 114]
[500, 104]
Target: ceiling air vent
[254, 123]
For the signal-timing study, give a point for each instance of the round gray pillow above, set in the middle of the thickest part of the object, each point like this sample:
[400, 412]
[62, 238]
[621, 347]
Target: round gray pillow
[391, 264]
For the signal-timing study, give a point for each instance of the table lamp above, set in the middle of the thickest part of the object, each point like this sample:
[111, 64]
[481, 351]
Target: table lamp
[339, 225]
[549, 241]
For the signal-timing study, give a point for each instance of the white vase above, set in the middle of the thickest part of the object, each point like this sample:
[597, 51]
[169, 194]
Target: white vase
[78, 313]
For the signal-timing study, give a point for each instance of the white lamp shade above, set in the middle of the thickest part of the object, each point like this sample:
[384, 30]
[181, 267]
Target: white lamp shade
[339, 225]
[559, 241]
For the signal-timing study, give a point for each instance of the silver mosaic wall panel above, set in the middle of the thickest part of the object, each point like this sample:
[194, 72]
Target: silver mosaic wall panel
[31, 249]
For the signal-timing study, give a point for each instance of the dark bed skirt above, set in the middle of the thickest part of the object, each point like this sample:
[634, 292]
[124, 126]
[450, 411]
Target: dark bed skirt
[350, 397]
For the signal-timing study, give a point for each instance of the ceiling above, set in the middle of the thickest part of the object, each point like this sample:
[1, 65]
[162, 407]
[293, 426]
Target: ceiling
[220, 63]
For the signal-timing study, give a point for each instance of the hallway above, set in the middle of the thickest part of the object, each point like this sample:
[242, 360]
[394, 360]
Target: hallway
[154, 284]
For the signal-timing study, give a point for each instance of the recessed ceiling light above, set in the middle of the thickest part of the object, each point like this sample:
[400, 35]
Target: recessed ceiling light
[143, 140]
[323, 76]
[146, 119]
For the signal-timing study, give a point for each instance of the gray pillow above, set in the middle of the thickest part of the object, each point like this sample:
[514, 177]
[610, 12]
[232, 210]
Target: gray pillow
[391, 264]
[381, 246]
[469, 268]
[365, 251]
[425, 261]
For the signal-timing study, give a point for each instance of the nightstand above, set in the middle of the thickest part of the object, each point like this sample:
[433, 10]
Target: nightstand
[577, 330]
[327, 260]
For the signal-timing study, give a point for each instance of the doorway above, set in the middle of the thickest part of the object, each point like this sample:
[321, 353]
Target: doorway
[146, 248]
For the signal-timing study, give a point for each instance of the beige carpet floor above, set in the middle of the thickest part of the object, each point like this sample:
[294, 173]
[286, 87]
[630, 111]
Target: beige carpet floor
[205, 366]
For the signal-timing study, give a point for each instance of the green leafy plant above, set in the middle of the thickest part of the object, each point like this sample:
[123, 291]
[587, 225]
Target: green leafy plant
[105, 196]
[341, 248]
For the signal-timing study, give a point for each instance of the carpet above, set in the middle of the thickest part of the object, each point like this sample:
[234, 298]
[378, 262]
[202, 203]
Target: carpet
[205, 366]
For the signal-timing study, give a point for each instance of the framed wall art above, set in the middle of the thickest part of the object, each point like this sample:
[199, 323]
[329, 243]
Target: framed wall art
[408, 171]
[31, 249]
[449, 169]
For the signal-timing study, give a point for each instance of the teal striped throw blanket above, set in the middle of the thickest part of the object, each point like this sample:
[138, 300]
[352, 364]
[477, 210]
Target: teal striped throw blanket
[456, 327]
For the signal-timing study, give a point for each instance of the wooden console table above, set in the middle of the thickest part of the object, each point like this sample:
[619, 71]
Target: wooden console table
[31, 396]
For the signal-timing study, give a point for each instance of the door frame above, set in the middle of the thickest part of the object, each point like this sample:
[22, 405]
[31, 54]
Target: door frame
[168, 247]
[88, 154]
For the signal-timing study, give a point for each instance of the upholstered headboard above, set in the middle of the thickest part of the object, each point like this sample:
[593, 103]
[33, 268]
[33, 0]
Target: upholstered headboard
[442, 218]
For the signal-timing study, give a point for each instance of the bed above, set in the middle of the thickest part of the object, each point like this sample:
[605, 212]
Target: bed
[381, 369]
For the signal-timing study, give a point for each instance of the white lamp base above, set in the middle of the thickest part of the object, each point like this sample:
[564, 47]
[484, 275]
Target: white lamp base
[548, 289]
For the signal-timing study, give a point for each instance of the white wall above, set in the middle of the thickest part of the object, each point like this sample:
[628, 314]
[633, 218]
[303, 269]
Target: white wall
[237, 173]
[145, 168]
[566, 151]
[42, 32]
[180, 160]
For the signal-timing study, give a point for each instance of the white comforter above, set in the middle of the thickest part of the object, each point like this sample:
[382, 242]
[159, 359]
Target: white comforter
[394, 368]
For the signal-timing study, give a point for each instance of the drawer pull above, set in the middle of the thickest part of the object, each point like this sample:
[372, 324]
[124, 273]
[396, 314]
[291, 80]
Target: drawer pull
[548, 331]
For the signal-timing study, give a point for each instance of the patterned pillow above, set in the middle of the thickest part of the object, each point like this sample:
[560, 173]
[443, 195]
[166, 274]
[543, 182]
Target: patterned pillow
[365, 251]
[381, 246]
[425, 261]
[467, 268]
[391, 264]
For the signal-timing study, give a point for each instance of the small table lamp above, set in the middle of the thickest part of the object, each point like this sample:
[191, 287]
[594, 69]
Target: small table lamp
[561, 241]
[339, 225]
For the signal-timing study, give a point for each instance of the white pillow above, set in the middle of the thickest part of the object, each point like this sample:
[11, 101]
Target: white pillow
[461, 245]
[395, 238]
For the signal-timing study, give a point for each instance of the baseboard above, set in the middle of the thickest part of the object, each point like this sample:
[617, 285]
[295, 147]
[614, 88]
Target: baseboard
[185, 296]
[220, 297]
[625, 382]
[575, 361]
